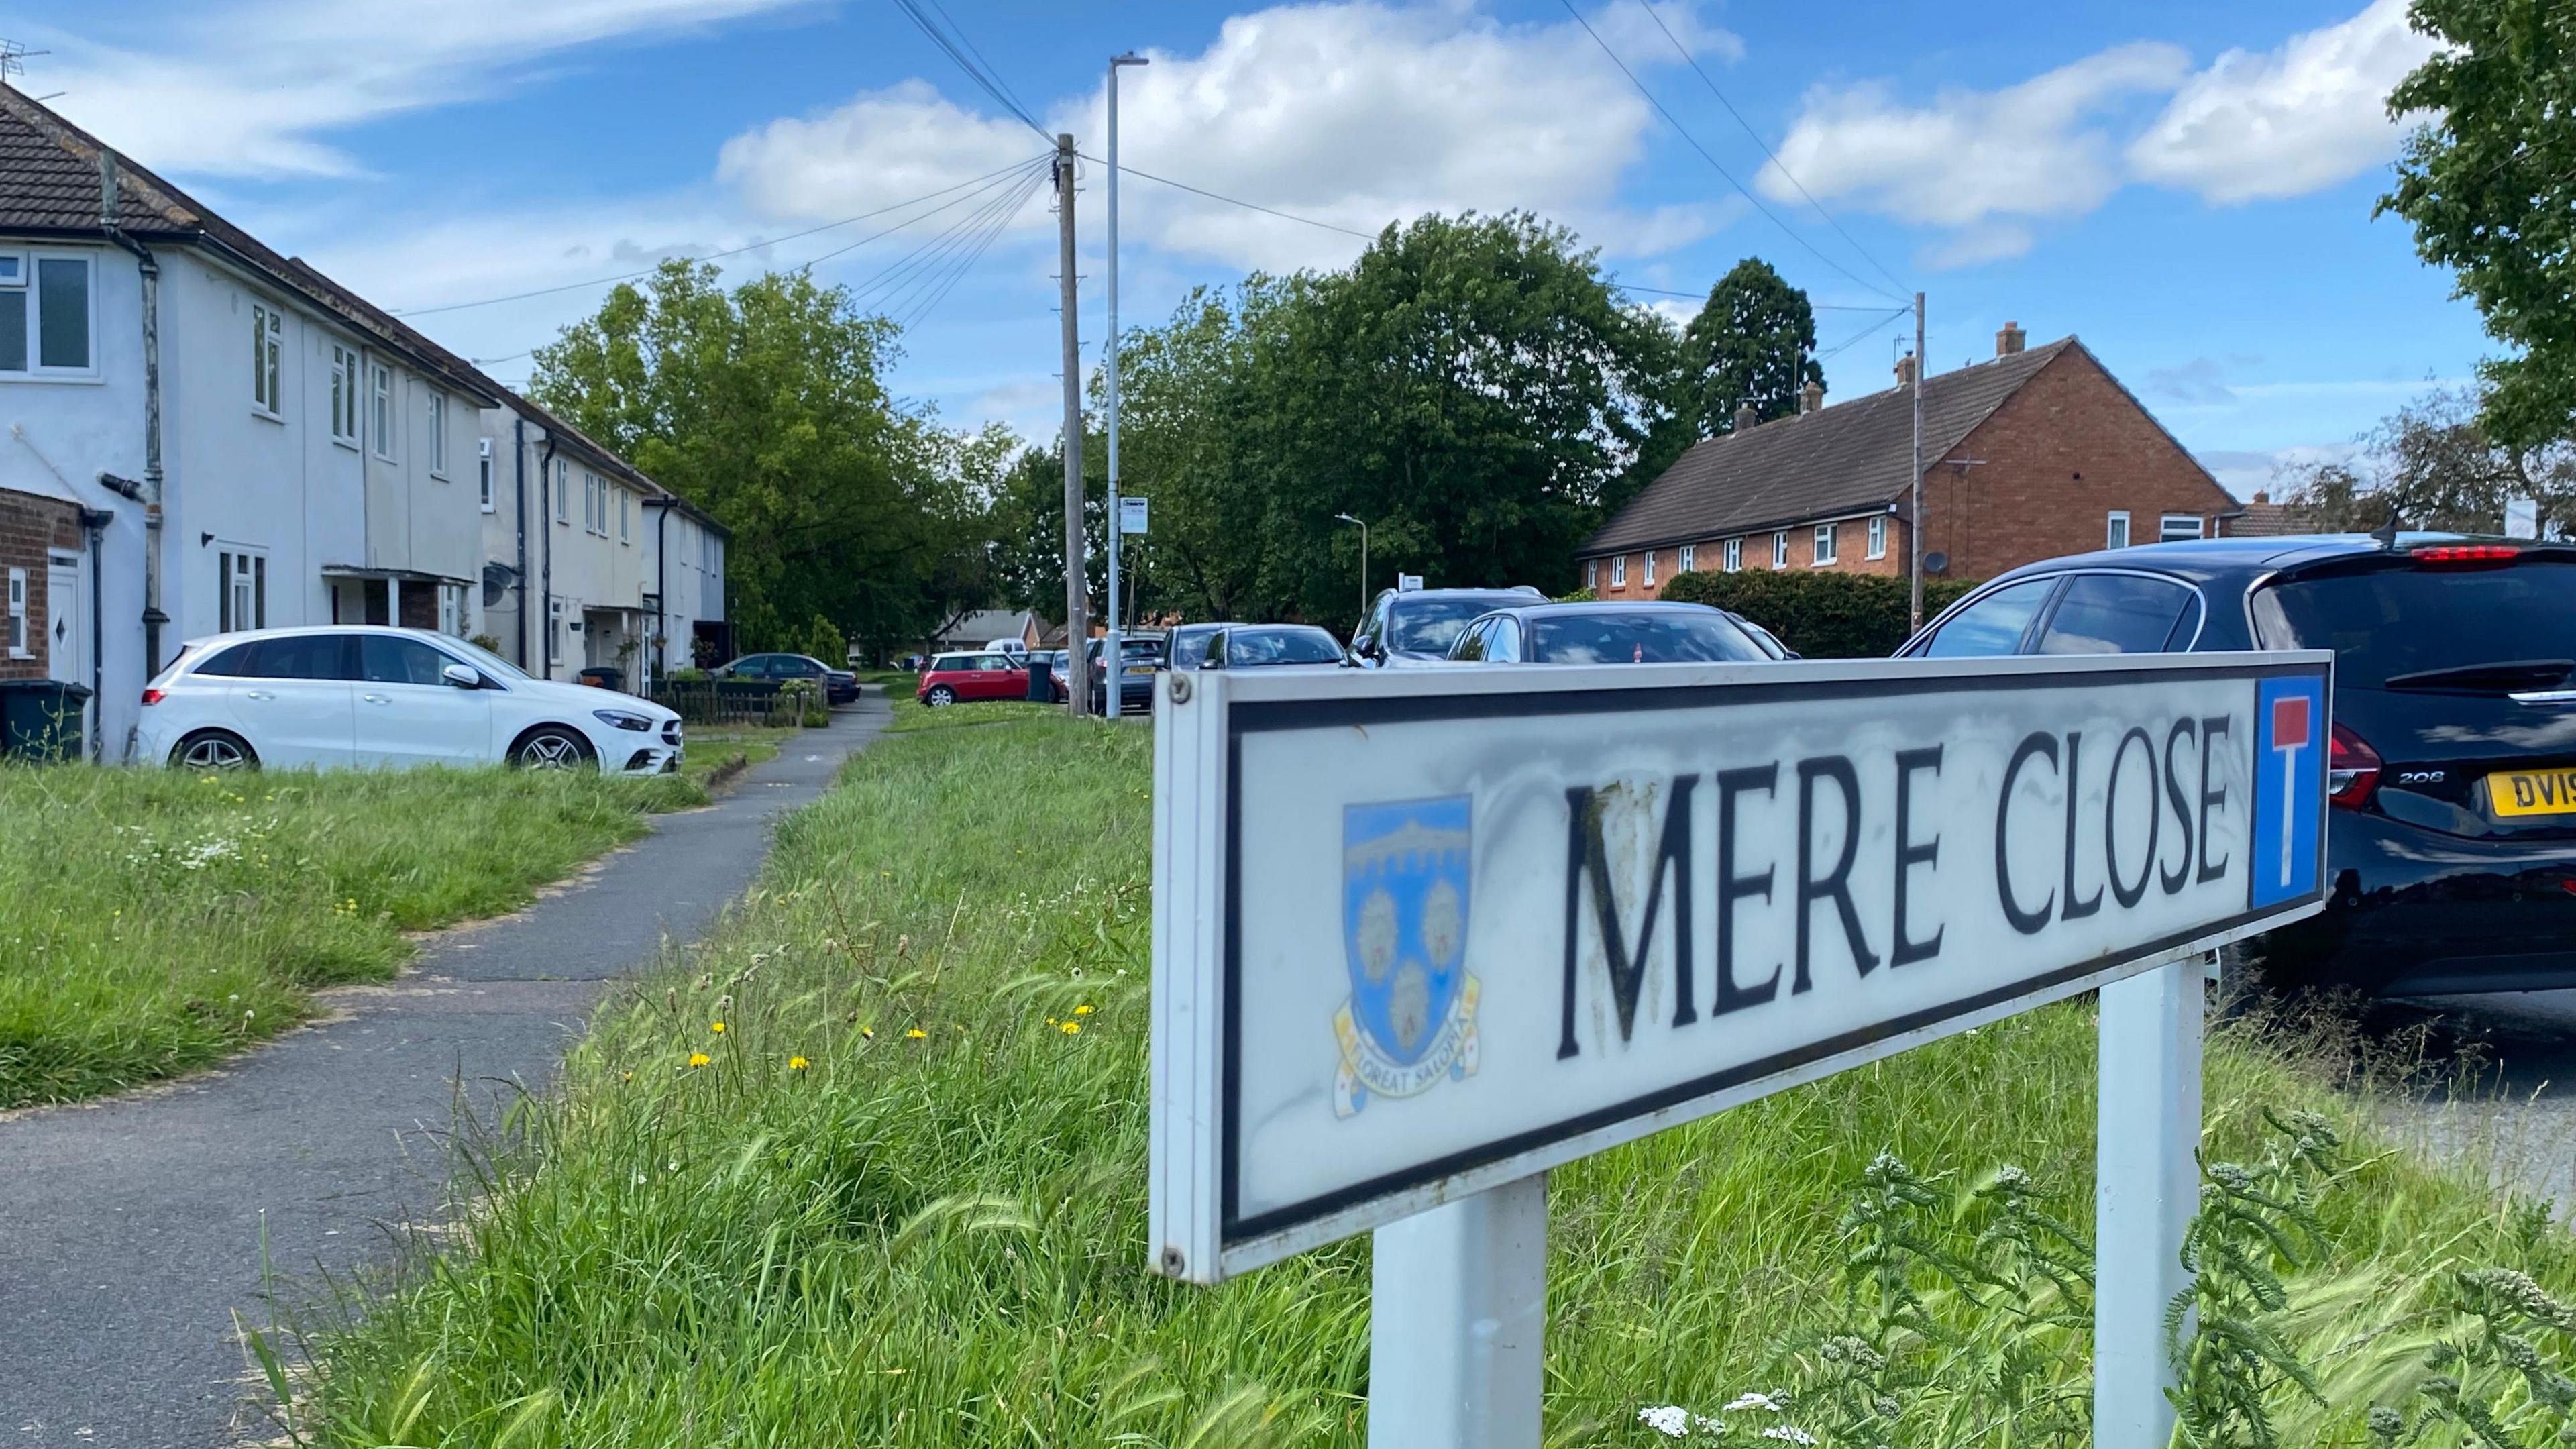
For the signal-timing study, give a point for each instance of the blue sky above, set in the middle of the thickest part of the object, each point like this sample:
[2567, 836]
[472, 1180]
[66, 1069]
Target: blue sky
[2187, 186]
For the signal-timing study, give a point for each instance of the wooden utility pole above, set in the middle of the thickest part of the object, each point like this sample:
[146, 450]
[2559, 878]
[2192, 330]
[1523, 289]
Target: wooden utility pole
[1077, 587]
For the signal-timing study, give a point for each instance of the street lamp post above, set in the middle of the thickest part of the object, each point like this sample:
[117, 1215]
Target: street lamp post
[1114, 662]
[1363, 523]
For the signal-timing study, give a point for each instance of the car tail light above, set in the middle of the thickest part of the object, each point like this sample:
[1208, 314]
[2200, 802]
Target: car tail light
[2466, 555]
[2352, 769]
[154, 696]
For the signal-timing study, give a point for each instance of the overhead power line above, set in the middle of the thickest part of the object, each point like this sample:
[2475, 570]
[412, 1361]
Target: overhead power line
[729, 251]
[1704, 79]
[958, 49]
[1710, 157]
[1669, 292]
[1865, 333]
[1231, 200]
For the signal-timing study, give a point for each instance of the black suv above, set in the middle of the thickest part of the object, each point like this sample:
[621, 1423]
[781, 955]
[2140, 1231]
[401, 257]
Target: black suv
[2452, 844]
[1417, 626]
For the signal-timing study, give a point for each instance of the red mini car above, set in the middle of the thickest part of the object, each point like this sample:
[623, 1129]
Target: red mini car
[957, 678]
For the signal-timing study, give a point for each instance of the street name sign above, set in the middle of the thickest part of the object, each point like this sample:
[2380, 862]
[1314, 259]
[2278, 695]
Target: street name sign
[1418, 933]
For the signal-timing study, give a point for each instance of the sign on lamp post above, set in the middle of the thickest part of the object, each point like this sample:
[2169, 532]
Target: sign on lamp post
[1420, 937]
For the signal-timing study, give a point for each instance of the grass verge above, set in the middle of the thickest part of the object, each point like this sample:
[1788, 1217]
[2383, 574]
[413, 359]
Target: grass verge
[716, 747]
[159, 920]
[869, 1167]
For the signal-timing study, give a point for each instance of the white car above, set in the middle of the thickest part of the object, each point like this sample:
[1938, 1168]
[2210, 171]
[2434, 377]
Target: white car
[368, 697]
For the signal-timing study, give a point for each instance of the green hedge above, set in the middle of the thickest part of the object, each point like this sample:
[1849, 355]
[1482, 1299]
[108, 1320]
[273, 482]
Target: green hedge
[1821, 615]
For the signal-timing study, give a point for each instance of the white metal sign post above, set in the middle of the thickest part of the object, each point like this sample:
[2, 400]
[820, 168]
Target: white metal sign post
[1420, 936]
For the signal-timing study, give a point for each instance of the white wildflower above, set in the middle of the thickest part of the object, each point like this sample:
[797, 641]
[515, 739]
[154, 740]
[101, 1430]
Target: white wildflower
[1753, 1401]
[1670, 1420]
[1789, 1433]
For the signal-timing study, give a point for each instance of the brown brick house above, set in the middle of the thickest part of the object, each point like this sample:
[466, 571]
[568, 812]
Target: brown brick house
[38, 535]
[2035, 453]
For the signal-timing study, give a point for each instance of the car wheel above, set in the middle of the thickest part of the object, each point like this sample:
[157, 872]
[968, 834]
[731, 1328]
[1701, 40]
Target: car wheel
[940, 697]
[549, 747]
[214, 750]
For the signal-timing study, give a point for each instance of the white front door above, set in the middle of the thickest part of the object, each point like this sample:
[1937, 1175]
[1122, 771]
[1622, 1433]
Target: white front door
[407, 712]
[67, 627]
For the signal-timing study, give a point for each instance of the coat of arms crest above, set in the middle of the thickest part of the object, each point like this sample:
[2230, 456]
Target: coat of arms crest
[1411, 1016]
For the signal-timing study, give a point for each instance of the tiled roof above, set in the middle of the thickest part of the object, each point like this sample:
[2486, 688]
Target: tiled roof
[50, 182]
[2263, 518]
[1840, 459]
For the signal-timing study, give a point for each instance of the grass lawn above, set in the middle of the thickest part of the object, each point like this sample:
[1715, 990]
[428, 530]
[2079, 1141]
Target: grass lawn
[897, 1198]
[710, 748]
[158, 920]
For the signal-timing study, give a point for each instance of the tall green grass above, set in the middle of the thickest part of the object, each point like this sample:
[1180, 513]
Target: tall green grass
[899, 1198]
[156, 920]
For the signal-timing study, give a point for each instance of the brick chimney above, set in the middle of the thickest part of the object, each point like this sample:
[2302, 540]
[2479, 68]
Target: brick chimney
[1811, 398]
[1905, 370]
[2010, 340]
[1745, 417]
[2262, 496]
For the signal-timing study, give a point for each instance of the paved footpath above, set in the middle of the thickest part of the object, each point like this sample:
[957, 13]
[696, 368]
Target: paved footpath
[130, 1229]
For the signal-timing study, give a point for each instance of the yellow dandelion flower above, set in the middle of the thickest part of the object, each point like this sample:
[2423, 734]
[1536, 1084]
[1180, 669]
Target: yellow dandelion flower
[868, 1033]
[1071, 1028]
[1051, 1021]
[1082, 1010]
[717, 1027]
[699, 1059]
[916, 1034]
[796, 1064]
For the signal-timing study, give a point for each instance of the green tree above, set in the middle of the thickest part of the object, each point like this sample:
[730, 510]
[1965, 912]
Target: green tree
[1753, 342]
[2432, 465]
[766, 407]
[2490, 187]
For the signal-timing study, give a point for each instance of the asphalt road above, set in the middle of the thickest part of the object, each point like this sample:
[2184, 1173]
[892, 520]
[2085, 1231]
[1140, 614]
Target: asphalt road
[2497, 1077]
[130, 1230]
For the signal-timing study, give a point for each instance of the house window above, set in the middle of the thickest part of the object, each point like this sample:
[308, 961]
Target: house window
[437, 434]
[563, 492]
[50, 322]
[2176, 526]
[382, 418]
[483, 470]
[1687, 560]
[594, 504]
[1733, 555]
[1878, 536]
[1780, 549]
[241, 591]
[1828, 539]
[1619, 571]
[344, 396]
[1650, 568]
[18, 613]
[1592, 573]
[625, 516]
[266, 329]
[2116, 533]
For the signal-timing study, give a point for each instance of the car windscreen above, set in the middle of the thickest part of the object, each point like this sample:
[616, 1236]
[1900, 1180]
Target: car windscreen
[1252, 648]
[1190, 646]
[2389, 622]
[1641, 636]
[1429, 623]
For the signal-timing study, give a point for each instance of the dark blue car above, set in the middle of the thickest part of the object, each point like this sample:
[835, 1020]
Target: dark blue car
[2452, 841]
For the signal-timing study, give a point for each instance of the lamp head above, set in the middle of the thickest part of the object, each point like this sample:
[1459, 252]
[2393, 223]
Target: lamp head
[1129, 58]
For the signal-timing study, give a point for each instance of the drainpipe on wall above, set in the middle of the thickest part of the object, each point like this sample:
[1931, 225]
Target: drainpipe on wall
[545, 526]
[150, 272]
[661, 585]
[94, 522]
[519, 521]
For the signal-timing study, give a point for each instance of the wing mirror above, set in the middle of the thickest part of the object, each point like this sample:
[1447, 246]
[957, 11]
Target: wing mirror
[462, 676]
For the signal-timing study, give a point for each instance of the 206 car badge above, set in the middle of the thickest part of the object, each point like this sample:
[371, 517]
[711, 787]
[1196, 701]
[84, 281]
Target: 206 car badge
[1410, 1019]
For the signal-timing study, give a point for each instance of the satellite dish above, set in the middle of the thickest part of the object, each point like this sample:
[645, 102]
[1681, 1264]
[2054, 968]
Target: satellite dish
[1934, 563]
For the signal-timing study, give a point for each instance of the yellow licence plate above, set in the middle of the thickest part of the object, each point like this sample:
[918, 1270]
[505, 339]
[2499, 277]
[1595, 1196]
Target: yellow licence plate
[1140, 668]
[2532, 792]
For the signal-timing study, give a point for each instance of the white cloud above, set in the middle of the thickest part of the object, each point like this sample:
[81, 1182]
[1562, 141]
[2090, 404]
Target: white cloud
[255, 89]
[2287, 121]
[1980, 163]
[1354, 113]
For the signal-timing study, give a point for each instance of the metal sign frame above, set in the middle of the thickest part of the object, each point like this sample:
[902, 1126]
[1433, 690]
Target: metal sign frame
[1458, 1231]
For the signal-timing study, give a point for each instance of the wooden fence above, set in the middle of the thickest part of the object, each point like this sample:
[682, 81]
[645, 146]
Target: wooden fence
[730, 701]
